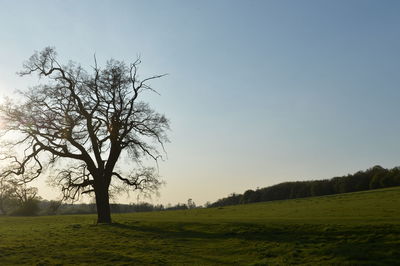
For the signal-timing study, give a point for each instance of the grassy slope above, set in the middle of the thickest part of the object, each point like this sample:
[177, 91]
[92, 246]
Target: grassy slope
[356, 228]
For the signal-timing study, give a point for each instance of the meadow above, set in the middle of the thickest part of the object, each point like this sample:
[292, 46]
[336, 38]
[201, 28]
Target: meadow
[361, 228]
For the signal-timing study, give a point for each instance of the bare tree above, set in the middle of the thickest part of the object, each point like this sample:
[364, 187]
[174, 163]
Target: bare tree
[24, 194]
[191, 204]
[80, 125]
[16, 197]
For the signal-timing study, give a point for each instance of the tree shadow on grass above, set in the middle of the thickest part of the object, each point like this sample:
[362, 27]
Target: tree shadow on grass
[370, 244]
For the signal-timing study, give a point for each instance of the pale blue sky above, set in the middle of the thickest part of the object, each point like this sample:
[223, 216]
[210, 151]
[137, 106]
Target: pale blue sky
[259, 92]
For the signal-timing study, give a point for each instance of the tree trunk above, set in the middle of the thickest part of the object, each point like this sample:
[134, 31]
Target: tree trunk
[103, 204]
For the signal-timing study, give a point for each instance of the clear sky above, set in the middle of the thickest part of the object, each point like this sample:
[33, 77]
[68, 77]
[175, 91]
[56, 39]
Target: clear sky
[258, 92]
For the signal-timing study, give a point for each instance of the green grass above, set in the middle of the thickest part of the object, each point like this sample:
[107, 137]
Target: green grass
[350, 229]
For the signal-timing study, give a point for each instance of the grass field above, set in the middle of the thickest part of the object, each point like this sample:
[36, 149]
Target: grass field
[350, 229]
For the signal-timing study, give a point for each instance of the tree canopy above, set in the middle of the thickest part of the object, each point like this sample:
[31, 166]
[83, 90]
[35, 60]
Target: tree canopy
[80, 124]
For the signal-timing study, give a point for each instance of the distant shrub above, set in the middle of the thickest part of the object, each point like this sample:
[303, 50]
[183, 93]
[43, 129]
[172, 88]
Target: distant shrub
[27, 208]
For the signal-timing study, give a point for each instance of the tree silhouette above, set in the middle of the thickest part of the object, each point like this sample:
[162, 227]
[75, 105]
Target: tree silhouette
[80, 125]
[6, 195]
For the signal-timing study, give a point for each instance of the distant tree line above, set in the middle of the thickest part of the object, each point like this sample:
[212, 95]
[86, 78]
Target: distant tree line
[20, 200]
[116, 208]
[372, 178]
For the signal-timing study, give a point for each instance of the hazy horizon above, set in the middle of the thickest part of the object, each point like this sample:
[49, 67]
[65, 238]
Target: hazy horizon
[258, 92]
